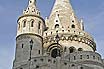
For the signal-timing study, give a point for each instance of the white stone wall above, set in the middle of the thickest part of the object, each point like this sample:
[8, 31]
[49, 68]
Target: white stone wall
[23, 47]
[46, 62]
[37, 21]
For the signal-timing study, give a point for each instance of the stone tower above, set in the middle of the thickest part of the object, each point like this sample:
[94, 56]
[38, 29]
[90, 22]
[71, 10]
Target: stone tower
[59, 42]
[72, 37]
[29, 35]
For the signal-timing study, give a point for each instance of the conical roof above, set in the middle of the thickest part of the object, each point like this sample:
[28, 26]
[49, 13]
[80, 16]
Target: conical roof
[65, 13]
[31, 9]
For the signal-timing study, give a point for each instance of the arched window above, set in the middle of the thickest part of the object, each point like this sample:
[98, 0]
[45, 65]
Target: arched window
[42, 59]
[39, 26]
[65, 63]
[39, 23]
[72, 49]
[73, 21]
[57, 14]
[30, 1]
[24, 23]
[55, 52]
[80, 56]
[93, 57]
[87, 56]
[73, 26]
[37, 66]
[56, 20]
[80, 49]
[49, 60]
[65, 49]
[74, 58]
[72, 65]
[39, 52]
[32, 23]
[34, 10]
[35, 60]
[57, 26]
[22, 45]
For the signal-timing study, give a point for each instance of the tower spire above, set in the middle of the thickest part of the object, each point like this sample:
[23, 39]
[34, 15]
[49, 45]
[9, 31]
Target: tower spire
[32, 2]
[62, 5]
[32, 9]
[66, 14]
[31, 21]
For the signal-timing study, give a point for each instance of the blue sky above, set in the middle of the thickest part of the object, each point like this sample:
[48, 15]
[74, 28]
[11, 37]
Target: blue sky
[92, 11]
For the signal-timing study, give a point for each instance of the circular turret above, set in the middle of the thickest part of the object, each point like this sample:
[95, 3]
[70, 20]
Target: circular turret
[64, 23]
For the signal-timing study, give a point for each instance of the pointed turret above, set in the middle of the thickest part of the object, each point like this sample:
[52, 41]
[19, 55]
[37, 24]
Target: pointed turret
[31, 9]
[64, 23]
[32, 2]
[29, 35]
[65, 13]
[31, 21]
[57, 22]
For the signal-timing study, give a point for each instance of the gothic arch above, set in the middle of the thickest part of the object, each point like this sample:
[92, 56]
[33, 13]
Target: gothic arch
[57, 26]
[54, 45]
[55, 49]
[32, 22]
[72, 49]
[24, 23]
[80, 49]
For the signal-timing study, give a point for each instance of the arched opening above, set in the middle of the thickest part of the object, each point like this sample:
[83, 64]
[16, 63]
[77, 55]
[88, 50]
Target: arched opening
[30, 1]
[39, 28]
[55, 53]
[39, 25]
[32, 23]
[24, 23]
[56, 20]
[80, 49]
[73, 21]
[65, 49]
[38, 51]
[87, 56]
[73, 26]
[80, 56]
[57, 26]
[72, 65]
[72, 49]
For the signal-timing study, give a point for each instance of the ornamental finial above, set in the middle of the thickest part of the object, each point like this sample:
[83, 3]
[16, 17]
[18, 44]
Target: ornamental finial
[32, 2]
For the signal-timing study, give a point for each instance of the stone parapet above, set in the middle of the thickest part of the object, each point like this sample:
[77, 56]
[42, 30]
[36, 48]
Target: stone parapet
[84, 56]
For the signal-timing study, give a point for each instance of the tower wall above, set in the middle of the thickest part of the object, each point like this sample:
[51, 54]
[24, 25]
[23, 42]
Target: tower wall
[69, 38]
[29, 40]
[23, 48]
[30, 24]
[71, 35]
